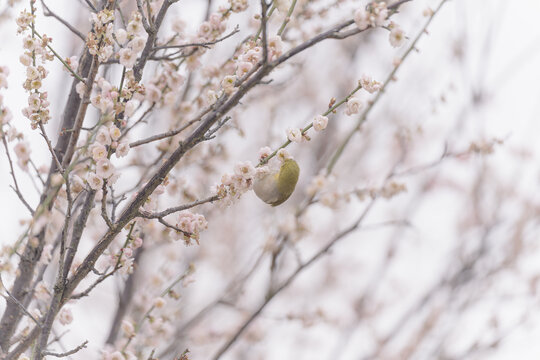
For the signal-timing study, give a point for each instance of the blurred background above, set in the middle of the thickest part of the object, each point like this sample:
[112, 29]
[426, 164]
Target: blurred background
[442, 174]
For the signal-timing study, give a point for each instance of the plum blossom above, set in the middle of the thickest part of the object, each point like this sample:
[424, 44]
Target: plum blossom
[94, 181]
[244, 169]
[114, 132]
[294, 135]
[354, 105]
[128, 328]
[22, 150]
[103, 136]
[320, 122]
[283, 155]
[65, 317]
[121, 36]
[137, 44]
[361, 18]
[127, 57]
[369, 84]
[122, 149]
[264, 152]
[192, 224]
[397, 36]
[375, 15]
[238, 5]
[130, 108]
[99, 151]
[104, 169]
[228, 84]
[153, 93]
[275, 46]
[205, 30]
[243, 68]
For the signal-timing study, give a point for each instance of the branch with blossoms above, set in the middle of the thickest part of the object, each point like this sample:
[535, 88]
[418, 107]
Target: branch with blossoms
[299, 135]
[133, 72]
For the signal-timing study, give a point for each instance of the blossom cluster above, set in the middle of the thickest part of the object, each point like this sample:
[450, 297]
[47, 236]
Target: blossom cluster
[5, 113]
[35, 55]
[106, 98]
[397, 36]
[164, 89]
[354, 104]
[111, 101]
[24, 20]
[320, 122]
[212, 28]
[22, 151]
[387, 191]
[369, 84]
[238, 5]
[195, 46]
[125, 257]
[190, 225]
[132, 40]
[106, 141]
[234, 185]
[251, 54]
[376, 14]
[100, 41]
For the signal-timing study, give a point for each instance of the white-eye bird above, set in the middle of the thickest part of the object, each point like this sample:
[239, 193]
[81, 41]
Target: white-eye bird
[276, 187]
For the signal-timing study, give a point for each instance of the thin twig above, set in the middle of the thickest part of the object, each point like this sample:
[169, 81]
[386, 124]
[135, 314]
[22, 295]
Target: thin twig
[145, 23]
[60, 58]
[90, 5]
[48, 12]
[264, 30]
[287, 18]
[21, 306]
[51, 150]
[205, 44]
[67, 353]
[291, 278]
[12, 171]
[155, 215]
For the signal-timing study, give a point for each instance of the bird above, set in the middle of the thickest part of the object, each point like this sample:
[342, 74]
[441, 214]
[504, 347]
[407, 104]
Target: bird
[277, 186]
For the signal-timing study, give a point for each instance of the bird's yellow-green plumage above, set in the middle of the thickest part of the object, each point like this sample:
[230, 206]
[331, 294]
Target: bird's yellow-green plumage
[287, 179]
[276, 187]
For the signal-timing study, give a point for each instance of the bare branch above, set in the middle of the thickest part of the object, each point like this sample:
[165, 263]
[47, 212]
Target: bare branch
[12, 171]
[264, 30]
[290, 279]
[146, 25]
[67, 353]
[48, 12]
[21, 306]
[169, 211]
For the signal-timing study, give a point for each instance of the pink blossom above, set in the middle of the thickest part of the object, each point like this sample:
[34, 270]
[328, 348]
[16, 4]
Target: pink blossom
[103, 136]
[94, 181]
[354, 105]
[127, 57]
[243, 68]
[153, 93]
[397, 36]
[121, 36]
[99, 151]
[320, 122]
[294, 135]
[104, 169]
[114, 132]
[137, 43]
[264, 152]
[65, 317]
